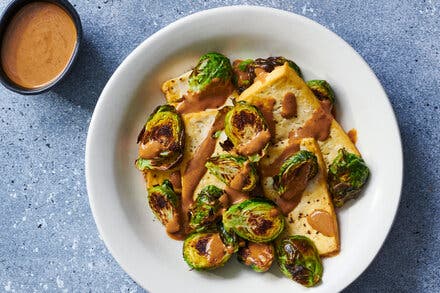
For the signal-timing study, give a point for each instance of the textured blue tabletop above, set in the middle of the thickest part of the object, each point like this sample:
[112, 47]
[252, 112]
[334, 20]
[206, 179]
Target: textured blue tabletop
[48, 239]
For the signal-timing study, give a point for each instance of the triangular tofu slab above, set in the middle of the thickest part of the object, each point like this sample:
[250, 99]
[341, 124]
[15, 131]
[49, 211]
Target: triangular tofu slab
[314, 216]
[273, 87]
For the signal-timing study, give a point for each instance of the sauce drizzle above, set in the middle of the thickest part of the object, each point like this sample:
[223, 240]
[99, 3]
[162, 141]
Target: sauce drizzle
[213, 96]
[266, 107]
[288, 106]
[195, 168]
[352, 134]
[317, 127]
[322, 222]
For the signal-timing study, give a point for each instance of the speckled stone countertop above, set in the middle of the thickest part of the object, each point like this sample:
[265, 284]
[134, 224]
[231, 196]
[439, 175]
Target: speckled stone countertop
[48, 239]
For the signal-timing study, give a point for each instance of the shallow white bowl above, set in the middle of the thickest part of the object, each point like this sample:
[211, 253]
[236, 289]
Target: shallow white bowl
[116, 189]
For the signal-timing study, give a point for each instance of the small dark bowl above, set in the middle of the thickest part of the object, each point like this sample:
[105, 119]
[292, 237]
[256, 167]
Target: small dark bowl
[10, 11]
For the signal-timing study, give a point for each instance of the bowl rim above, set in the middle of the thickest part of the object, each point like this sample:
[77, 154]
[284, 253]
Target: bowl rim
[191, 18]
[8, 13]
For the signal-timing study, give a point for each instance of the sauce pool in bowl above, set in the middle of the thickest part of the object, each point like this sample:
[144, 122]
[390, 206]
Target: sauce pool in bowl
[38, 45]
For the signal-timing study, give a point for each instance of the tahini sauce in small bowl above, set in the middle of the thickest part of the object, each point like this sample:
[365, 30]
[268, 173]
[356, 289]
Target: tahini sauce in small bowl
[38, 45]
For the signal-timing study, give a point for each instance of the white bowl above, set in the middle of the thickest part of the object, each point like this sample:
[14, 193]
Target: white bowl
[116, 189]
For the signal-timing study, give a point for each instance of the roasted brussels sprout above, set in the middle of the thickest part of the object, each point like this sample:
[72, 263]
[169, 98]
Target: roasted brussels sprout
[207, 208]
[161, 140]
[210, 66]
[347, 175]
[245, 71]
[205, 251]
[256, 220]
[244, 74]
[164, 203]
[235, 171]
[322, 90]
[247, 129]
[270, 63]
[259, 256]
[295, 172]
[230, 238]
[299, 260]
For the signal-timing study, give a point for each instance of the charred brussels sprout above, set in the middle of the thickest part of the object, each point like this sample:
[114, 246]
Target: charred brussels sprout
[299, 260]
[270, 63]
[347, 175]
[210, 66]
[161, 140]
[205, 251]
[322, 90]
[300, 167]
[244, 74]
[206, 210]
[247, 129]
[230, 238]
[235, 171]
[164, 203]
[245, 71]
[259, 256]
[256, 220]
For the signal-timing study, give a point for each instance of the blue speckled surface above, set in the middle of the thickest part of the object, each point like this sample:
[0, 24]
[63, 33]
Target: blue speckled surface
[48, 239]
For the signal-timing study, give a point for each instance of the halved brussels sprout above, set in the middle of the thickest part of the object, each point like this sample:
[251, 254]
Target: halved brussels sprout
[244, 74]
[299, 260]
[207, 208]
[161, 140]
[299, 168]
[347, 175]
[247, 129]
[244, 70]
[322, 90]
[230, 238]
[256, 220]
[259, 256]
[164, 203]
[205, 251]
[235, 171]
[270, 63]
[210, 66]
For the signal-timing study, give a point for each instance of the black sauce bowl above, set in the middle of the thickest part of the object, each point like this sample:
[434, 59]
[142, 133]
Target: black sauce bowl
[10, 11]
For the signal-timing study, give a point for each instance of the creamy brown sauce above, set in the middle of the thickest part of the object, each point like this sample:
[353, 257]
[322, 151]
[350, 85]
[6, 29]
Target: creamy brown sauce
[234, 190]
[260, 254]
[352, 135]
[298, 182]
[224, 201]
[212, 97]
[286, 206]
[179, 235]
[288, 106]
[254, 145]
[215, 248]
[195, 168]
[236, 196]
[151, 149]
[266, 107]
[38, 44]
[244, 77]
[322, 222]
[239, 180]
[294, 189]
[176, 180]
[173, 226]
[317, 127]
[274, 168]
